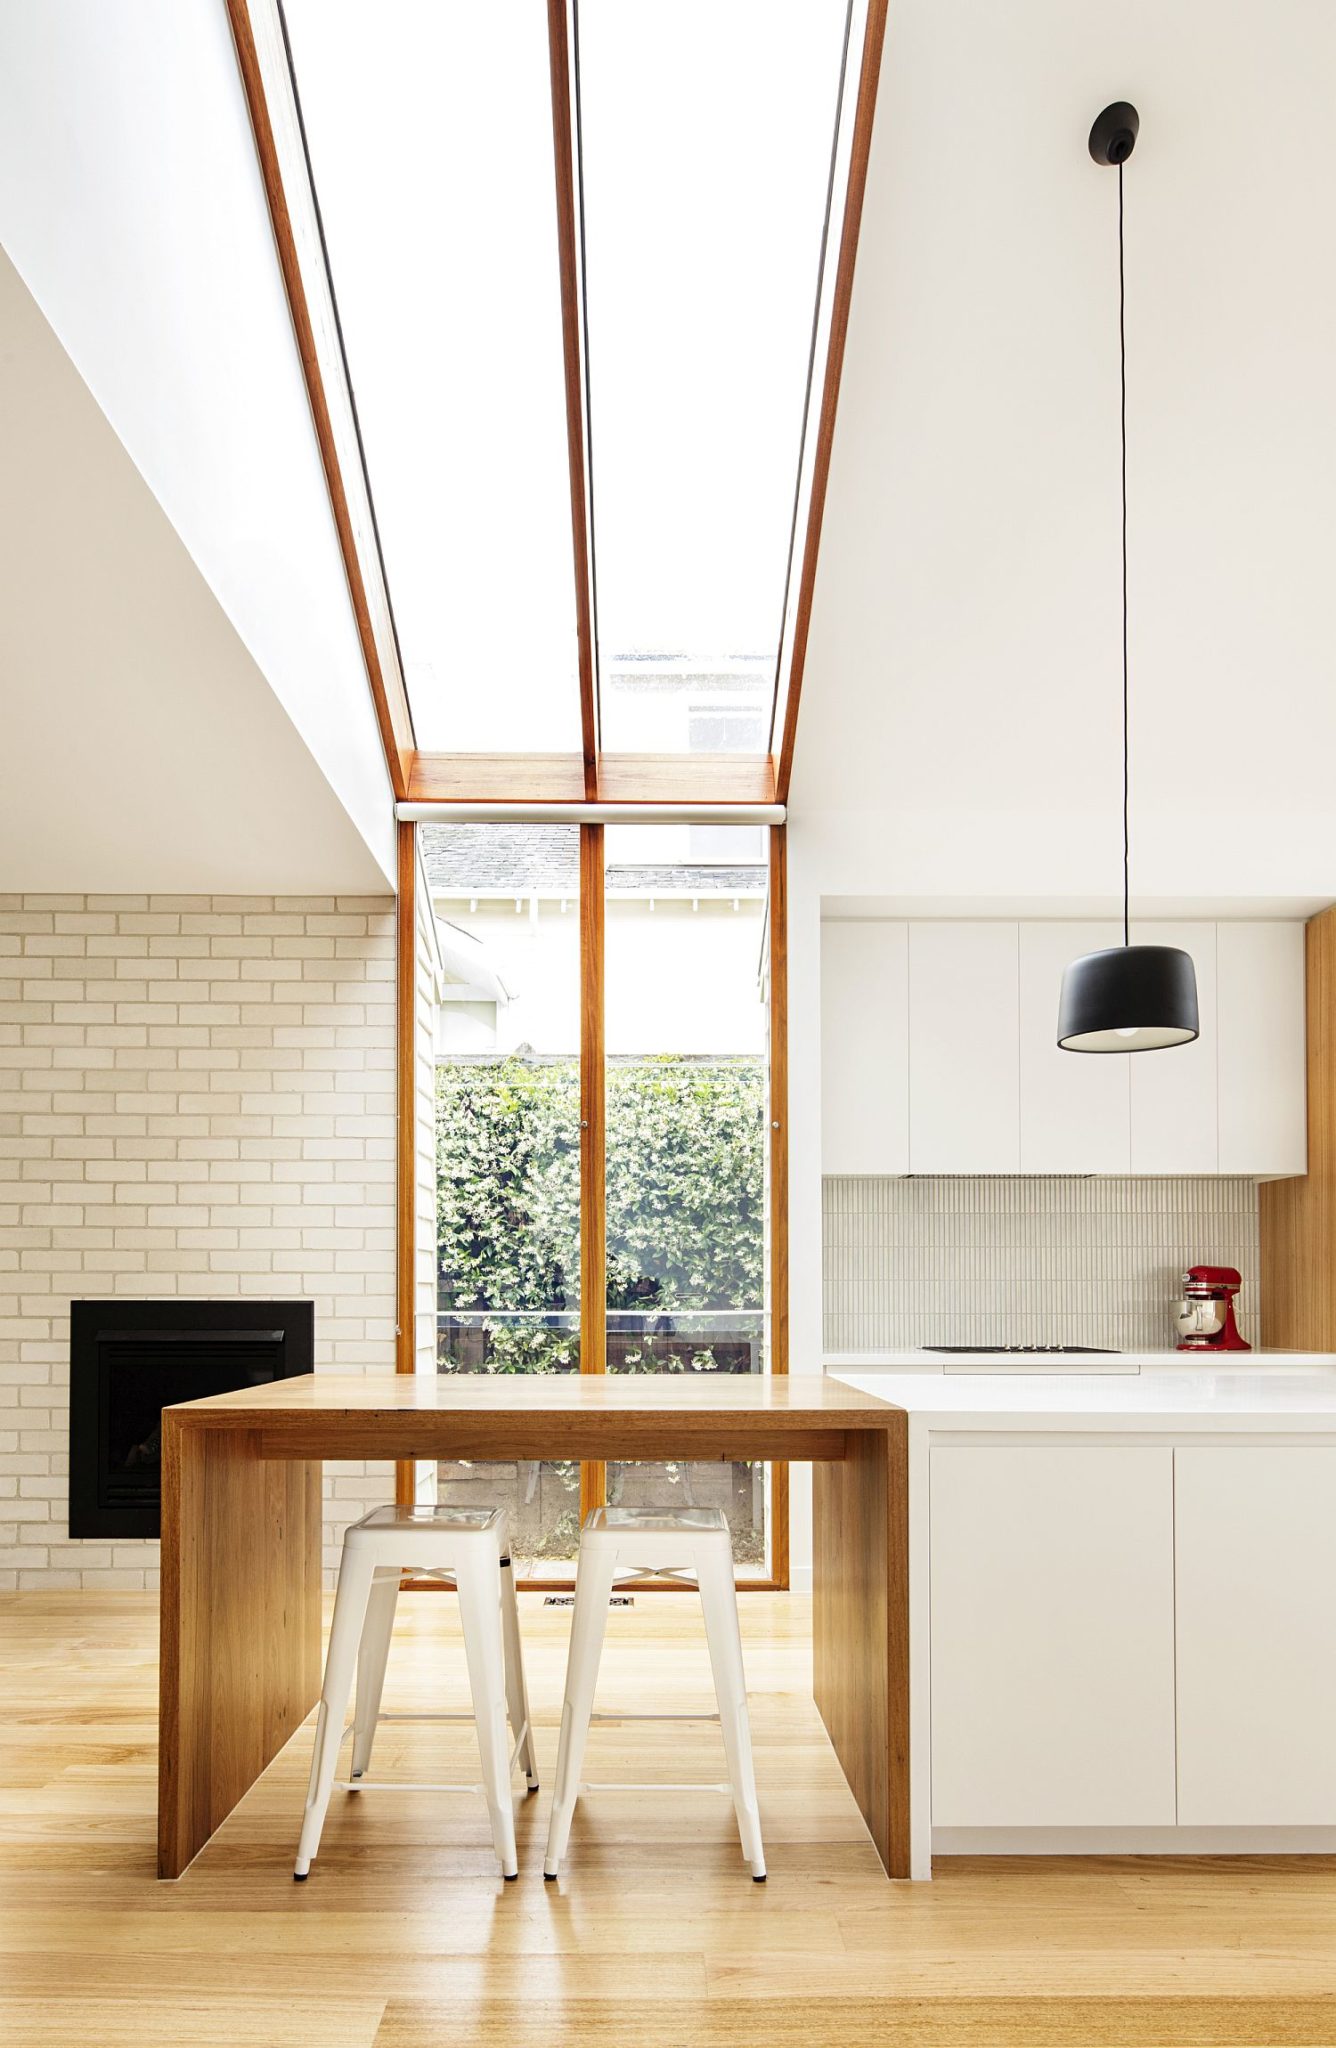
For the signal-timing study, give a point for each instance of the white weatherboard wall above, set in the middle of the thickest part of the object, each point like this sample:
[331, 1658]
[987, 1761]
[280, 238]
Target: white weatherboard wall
[1026, 1259]
[196, 1098]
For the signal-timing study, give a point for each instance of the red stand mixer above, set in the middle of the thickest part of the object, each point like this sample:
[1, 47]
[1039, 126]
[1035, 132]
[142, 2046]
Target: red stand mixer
[1204, 1318]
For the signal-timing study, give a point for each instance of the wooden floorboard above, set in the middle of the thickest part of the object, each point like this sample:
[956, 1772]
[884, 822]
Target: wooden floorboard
[405, 1936]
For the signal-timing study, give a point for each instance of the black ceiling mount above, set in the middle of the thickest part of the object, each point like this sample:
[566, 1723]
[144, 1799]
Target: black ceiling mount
[1114, 135]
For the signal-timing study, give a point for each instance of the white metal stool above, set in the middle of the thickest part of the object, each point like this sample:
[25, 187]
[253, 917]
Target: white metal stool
[664, 1543]
[471, 1547]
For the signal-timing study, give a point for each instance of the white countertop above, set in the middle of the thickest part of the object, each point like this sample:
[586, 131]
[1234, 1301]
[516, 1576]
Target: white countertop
[1049, 1365]
[1199, 1397]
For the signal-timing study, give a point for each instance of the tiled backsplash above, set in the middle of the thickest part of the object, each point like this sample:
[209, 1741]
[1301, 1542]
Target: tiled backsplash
[1026, 1259]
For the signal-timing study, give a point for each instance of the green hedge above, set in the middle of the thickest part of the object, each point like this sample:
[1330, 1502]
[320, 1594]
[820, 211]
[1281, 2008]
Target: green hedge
[686, 1196]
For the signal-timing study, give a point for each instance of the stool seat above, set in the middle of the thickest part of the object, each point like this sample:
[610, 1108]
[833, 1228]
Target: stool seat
[667, 1543]
[655, 1521]
[425, 1526]
[471, 1548]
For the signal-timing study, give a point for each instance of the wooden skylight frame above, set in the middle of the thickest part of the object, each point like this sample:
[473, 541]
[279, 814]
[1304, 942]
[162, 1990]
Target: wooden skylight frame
[592, 775]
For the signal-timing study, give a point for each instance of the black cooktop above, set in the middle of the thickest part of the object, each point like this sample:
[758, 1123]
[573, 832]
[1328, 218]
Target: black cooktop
[1026, 1350]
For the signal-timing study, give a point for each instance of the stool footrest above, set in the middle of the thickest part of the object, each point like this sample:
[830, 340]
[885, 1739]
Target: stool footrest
[673, 1786]
[404, 1785]
[425, 1717]
[653, 1717]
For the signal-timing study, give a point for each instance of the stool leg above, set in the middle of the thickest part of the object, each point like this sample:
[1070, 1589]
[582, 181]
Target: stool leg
[593, 1584]
[720, 1602]
[479, 1582]
[372, 1656]
[517, 1690]
[350, 1603]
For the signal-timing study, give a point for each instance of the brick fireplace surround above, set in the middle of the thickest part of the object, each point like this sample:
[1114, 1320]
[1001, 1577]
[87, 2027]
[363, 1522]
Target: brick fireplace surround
[196, 1098]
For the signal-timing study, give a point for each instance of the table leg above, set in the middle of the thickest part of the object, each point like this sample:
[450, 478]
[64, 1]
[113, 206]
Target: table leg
[240, 1630]
[860, 1626]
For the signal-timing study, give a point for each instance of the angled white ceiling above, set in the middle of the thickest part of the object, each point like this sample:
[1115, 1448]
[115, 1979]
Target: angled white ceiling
[132, 207]
[961, 704]
[141, 748]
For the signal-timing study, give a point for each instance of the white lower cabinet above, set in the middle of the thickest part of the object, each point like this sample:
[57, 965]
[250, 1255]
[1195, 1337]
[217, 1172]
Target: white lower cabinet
[1052, 1629]
[1255, 1541]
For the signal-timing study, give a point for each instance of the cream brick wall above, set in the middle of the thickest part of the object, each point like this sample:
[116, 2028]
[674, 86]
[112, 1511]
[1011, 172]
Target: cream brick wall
[196, 1098]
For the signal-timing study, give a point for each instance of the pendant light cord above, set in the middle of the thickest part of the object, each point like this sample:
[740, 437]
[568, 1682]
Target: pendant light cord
[1122, 386]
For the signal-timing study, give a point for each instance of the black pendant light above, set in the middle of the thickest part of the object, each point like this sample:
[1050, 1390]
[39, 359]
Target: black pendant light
[1128, 998]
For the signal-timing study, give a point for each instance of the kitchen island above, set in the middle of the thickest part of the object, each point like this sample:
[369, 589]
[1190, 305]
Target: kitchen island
[241, 1596]
[1122, 1608]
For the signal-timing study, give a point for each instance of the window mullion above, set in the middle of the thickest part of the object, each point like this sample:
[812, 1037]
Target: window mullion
[593, 1217]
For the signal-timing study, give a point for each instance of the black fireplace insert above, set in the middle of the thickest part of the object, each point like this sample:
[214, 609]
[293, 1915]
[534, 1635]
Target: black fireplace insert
[131, 1359]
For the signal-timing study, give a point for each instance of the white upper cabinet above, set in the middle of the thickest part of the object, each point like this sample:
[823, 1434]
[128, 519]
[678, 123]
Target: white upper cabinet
[1175, 1090]
[964, 1048]
[940, 1055]
[1260, 981]
[865, 1025]
[1075, 1107]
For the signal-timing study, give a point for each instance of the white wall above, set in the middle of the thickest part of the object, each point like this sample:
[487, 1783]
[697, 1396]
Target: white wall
[196, 1098]
[959, 734]
[131, 204]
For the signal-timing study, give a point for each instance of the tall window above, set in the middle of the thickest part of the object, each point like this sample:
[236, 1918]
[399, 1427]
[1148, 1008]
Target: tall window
[506, 900]
[683, 1030]
[686, 1136]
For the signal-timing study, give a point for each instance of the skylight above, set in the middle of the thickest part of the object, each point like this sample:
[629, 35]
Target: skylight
[707, 129]
[705, 132]
[429, 127]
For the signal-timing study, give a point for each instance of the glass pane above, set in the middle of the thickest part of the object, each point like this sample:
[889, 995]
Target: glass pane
[686, 1124]
[707, 130]
[430, 132]
[506, 899]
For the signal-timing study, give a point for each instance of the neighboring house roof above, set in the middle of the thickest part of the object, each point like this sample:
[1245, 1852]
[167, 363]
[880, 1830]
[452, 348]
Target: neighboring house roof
[459, 858]
[680, 878]
[465, 859]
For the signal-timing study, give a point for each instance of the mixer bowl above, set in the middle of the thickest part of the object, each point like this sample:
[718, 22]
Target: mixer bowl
[1199, 1319]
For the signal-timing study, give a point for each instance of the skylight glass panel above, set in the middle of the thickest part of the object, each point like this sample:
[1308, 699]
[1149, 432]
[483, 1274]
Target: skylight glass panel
[429, 127]
[707, 129]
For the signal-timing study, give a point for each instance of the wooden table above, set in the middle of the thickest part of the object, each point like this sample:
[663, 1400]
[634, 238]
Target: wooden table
[241, 1509]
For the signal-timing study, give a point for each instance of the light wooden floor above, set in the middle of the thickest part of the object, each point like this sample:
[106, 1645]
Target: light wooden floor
[655, 1938]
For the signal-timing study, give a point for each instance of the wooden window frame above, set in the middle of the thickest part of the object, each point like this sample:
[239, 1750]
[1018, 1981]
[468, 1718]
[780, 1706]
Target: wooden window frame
[593, 1139]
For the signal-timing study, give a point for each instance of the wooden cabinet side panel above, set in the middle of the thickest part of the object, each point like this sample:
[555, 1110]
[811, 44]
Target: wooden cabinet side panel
[860, 1627]
[1298, 1217]
[240, 1625]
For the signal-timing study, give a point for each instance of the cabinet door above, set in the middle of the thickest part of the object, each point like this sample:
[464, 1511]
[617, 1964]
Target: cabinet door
[1052, 1636]
[865, 1047]
[1174, 1090]
[1260, 977]
[964, 1048]
[1255, 1535]
[1075, 1108]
